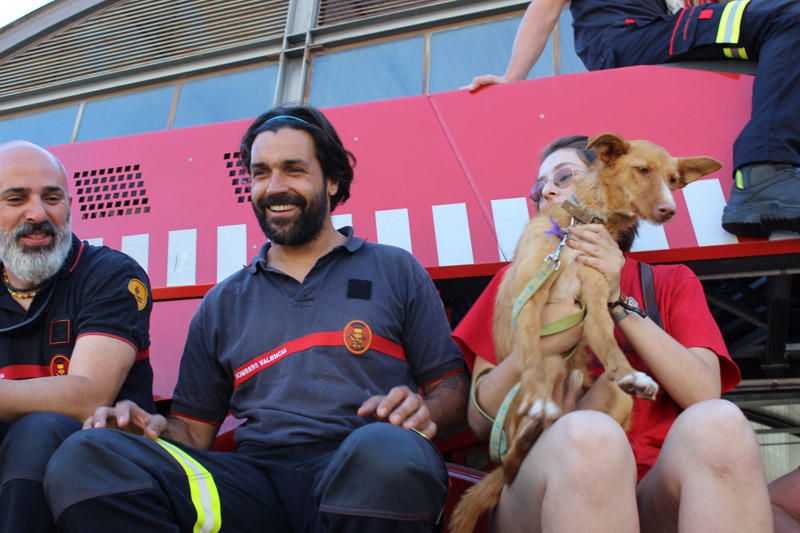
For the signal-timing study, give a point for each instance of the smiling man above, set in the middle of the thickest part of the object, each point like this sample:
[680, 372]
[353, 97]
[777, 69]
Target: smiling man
[73, 329]
[322, 346]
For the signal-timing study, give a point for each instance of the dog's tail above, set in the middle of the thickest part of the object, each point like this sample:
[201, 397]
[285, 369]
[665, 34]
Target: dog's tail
[476, 501]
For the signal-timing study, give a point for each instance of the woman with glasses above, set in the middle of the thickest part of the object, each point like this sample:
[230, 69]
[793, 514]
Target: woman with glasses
[689, 462]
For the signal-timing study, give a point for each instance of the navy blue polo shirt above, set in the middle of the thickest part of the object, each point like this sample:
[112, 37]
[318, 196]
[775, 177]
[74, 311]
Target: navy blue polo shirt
[592, 19]
[296, 360]
[97, 291]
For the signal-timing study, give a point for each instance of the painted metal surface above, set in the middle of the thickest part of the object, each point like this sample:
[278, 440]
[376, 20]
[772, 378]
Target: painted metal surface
[444, 175]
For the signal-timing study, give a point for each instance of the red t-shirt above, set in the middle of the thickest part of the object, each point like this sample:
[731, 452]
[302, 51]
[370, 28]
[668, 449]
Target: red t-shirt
[684, 311]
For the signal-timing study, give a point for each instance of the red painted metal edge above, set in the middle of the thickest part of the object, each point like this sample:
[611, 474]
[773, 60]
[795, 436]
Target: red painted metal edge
[745, 248]
[465, 271]
[185, 292]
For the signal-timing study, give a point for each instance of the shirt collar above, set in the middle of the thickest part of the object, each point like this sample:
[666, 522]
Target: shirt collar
[75, 254]
[352, 244]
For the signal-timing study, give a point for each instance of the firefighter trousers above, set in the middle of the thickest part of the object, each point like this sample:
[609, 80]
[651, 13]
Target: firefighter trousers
[26, 446]
[380, 478]
[766, 31]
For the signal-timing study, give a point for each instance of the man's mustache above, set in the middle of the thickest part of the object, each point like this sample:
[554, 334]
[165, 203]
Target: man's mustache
[282, 199]
[28, 228]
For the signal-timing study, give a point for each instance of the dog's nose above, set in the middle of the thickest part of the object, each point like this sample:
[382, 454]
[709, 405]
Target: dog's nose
[665, 212]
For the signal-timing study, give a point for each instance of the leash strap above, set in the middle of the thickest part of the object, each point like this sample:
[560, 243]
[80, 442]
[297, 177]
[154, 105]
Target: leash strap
[563, 324]
[474, 398]
[551, 264]
[497, 439]
[538, 279]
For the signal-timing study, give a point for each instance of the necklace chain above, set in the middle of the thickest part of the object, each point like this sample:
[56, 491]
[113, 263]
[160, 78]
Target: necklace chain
[22, 294]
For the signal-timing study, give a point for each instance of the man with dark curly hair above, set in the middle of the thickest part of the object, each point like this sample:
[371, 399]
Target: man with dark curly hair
[321, 346]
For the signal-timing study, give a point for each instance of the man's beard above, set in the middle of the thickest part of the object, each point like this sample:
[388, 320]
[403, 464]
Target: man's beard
[300, 230]
[35, 264]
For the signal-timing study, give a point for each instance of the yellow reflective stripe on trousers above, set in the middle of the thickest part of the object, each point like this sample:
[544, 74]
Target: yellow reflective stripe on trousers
[731, 22]
[202, 489]
[735, 53]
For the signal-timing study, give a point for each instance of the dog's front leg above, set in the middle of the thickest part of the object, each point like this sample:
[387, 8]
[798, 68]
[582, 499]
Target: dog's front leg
[535, 389]
[598, 330]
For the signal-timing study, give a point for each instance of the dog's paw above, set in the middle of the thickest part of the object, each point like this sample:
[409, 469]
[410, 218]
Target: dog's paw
[539, 409]
[639, 384]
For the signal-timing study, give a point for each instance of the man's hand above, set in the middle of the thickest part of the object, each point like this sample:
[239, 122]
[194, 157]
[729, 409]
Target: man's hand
[599, 250]
[129, 417]
[401, 407]
[484, 80]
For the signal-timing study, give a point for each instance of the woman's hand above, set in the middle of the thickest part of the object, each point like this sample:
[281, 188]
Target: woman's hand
[597, 249]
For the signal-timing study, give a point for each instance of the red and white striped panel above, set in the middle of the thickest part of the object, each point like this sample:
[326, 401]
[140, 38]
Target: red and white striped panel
[443, 176]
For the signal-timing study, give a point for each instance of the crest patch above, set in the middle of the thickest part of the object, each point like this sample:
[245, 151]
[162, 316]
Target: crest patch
[357, 337]
[59, 365]
[139, 291]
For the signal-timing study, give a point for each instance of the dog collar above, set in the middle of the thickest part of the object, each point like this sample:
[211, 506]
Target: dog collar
[580, 214]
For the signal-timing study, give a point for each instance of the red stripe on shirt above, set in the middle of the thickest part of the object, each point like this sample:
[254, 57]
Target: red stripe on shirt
[675, 30]
[686, 26]
[442, 378]
[77, 258]
[326, 338]
[178, 413]
[24, 371]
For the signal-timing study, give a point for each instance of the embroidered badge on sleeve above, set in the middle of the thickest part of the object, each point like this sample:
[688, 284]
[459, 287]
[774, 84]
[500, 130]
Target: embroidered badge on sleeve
[139, 291]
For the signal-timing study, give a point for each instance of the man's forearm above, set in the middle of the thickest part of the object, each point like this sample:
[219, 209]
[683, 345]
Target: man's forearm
[70, 395]
[178, 431]
[535, 28]
[447, 403]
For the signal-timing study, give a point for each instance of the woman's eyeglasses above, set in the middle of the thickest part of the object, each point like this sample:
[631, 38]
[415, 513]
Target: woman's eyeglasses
[562, 179]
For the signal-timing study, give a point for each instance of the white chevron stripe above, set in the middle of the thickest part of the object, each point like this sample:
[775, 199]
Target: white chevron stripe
[182, 258]
[340, 221]
[651, 237]
[510, 216]
[705, 201]
[453, 242]
[138, 247]
[393, 228]
[231, 249]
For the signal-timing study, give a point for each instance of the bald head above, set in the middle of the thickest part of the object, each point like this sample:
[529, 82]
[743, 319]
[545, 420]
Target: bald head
[19, 159]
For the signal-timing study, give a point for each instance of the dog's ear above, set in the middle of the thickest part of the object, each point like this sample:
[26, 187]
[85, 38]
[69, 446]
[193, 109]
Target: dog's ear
[609, 146]
[693, 168]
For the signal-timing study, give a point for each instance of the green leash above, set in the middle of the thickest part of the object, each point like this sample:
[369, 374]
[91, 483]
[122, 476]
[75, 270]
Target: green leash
[497, 439]
[550, 264]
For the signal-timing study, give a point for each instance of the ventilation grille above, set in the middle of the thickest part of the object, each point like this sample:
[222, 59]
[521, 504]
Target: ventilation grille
[237, 174]
[110, 192]
[337, 11]
[135, 34]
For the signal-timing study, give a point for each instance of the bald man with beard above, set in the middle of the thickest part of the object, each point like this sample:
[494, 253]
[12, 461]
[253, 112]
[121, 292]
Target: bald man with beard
[74, 321]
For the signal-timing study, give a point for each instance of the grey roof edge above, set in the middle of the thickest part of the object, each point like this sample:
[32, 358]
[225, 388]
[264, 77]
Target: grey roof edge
[47, 19]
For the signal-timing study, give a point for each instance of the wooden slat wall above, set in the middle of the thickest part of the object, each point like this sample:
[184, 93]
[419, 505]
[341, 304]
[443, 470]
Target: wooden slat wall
[337, 11]
[133, 34]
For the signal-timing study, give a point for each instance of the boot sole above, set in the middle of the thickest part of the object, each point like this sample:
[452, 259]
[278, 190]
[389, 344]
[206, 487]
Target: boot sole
[759, 220]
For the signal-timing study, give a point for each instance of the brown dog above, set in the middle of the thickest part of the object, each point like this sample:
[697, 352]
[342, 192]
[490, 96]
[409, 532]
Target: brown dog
[630, 180]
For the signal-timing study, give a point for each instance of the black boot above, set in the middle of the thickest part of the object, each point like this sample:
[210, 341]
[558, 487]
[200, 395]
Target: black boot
[764, 198]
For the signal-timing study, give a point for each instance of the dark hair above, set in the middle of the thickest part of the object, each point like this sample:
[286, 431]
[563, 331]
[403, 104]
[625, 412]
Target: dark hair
[337, 163]
[572, 142]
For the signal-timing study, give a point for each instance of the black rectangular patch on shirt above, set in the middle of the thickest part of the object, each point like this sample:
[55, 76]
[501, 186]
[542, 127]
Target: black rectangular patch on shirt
[359, 289]
[59, 332]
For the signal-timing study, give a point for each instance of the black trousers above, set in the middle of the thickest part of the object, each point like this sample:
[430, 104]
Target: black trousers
[381, 478]
[766, 31]
[26, 446]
